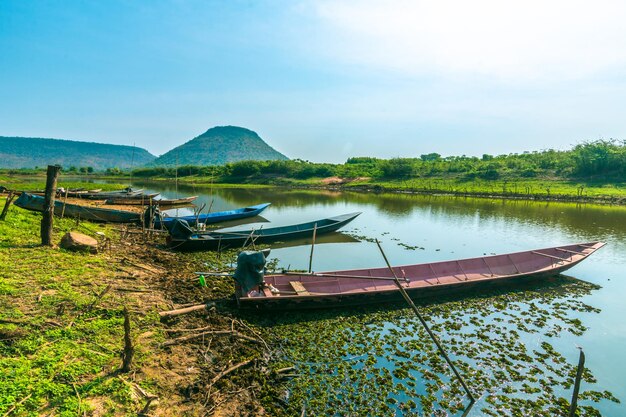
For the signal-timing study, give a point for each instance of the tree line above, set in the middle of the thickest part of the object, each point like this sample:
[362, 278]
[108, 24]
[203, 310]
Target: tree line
[601, 159]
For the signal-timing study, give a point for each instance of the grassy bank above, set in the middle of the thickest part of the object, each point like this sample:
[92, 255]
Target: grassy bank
[61, 327]
[61, 336]
[531, 189]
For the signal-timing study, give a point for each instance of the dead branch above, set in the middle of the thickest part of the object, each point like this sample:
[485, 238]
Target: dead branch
[212, 333]
[129, 349]
[172, 313]
[20, 402]
[98, 298]
[228, 371]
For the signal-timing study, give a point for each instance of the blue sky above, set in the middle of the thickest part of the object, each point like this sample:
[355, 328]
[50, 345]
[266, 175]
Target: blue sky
[318, 80]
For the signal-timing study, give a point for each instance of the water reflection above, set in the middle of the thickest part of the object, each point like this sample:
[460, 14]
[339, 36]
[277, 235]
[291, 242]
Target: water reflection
[603, 222]
[416, 229]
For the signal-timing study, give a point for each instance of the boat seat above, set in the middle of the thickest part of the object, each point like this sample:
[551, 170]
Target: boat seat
[298, 288]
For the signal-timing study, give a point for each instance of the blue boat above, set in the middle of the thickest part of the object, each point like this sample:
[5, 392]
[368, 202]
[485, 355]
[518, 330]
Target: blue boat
[219, 216]
[183, 238]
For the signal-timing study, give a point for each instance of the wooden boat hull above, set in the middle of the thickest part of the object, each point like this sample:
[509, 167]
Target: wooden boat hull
[138, 201]
[424, 280]
[218, 216]
[223, 239]
[136, 194]
[76, 193]
[95, 214]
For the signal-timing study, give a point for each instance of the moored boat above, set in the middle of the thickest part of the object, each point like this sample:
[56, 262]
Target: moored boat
[375, 285]
[182, 237]
[36, 203]
[209, 218]
[138, 201]
[126, 194]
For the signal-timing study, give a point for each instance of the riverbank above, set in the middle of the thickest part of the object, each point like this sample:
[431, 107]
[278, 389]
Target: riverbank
[62, 327]
[375, 361]
[532, 190]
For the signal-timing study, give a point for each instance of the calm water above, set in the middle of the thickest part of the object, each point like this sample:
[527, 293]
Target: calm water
[414, 229]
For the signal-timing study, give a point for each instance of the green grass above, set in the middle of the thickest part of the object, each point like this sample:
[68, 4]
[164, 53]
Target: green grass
[38, 182]
[529, 188]
[58, 356]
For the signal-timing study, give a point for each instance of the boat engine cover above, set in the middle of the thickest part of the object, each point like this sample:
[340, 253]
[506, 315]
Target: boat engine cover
[180, 229]
[250, 269]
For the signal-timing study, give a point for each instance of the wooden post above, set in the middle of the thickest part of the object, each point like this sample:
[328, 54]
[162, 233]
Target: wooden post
[129, 349]
[7, 204]
[48, 209]
[579, 374]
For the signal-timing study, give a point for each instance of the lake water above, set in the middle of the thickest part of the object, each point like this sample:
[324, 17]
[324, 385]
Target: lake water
[416, 229]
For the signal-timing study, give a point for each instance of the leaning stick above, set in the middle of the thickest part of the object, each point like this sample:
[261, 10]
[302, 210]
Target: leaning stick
[421, 319]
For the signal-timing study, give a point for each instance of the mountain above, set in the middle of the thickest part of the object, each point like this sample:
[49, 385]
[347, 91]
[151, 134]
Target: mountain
[218, 146]
[18, 152]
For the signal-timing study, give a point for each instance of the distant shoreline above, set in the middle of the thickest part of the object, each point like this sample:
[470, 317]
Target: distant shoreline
[537, 190]
[374, 187]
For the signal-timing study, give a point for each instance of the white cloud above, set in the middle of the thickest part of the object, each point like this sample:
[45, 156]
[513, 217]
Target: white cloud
[532, 39]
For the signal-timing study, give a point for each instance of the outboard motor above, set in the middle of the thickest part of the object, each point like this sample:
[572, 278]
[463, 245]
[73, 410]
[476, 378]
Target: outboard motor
[250, 269]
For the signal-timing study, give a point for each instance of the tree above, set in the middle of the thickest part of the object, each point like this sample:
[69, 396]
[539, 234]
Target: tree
[430, 157]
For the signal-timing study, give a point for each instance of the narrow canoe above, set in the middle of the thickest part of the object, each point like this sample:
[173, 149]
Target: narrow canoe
[210, 218]
[365, 286]
[103, 195]
[36, 203]
[75, 192]
[138, 201]
[183, 238]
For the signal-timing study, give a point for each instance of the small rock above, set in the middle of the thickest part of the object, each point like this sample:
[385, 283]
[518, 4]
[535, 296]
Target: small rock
[75, 241]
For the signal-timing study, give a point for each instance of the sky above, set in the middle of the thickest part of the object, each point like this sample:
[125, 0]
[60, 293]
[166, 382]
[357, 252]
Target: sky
[317, 80]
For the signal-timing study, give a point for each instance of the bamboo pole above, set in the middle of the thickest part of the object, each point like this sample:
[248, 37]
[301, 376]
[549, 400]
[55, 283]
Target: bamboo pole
[67, 190]
[324, 275]
[579, 374]
[312, 247]
[421, 319]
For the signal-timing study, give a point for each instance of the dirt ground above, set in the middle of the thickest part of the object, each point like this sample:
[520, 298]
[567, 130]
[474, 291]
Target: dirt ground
[199, 376]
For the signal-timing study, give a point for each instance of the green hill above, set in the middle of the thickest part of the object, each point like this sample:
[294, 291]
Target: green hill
[218, 146]
[19, 152]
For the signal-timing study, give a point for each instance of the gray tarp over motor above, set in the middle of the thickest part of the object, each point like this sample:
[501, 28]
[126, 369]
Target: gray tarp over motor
[250, 269]
[180, 229]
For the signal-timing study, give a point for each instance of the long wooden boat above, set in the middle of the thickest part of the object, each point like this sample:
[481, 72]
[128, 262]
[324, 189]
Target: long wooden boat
[184, 238]
[209, 218]
[126, 194]
[138, 201]
[124, 198]
[96, 214]
[374, 285]
[76, 192]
